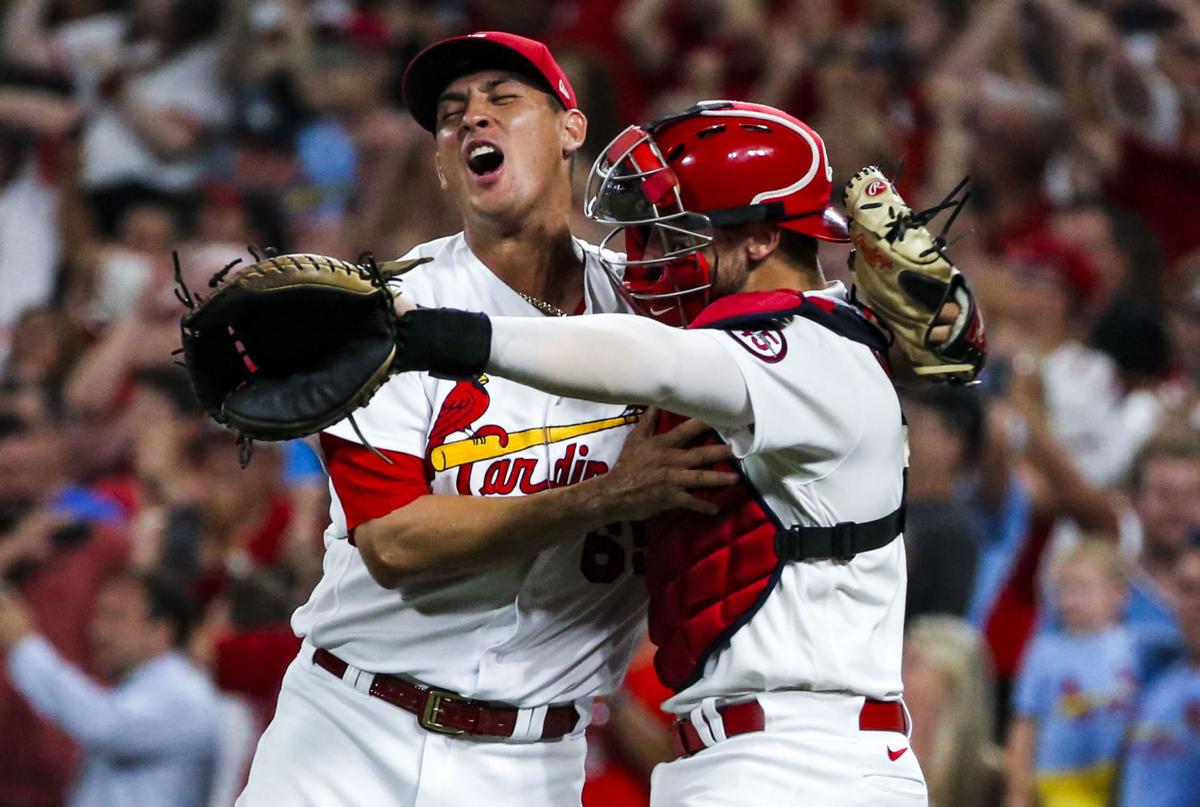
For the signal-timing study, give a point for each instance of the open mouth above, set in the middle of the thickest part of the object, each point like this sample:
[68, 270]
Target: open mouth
[484, 159]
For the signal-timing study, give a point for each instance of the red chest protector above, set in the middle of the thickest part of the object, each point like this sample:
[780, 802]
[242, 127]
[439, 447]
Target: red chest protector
[708, 575]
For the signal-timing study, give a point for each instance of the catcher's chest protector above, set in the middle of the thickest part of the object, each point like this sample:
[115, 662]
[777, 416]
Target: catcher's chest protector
[707, 576]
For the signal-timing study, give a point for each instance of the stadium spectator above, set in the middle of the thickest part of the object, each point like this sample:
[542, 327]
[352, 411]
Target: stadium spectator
[149, 78]
[946, 678]
[1166, 497]
[1162, 761]
[46, 346]
[942, 537]
[60, 564]
[1076, 690]
[151, 739]
[30, 123]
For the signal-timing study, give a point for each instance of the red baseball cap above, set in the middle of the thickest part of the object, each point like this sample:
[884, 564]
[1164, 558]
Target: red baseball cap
[432, 70]
[1051, 257]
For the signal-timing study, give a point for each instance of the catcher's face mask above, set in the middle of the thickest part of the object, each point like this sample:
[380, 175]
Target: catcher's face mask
[664, 272]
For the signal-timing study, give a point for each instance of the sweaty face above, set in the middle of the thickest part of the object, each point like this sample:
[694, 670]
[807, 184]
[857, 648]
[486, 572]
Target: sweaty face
[499, 145]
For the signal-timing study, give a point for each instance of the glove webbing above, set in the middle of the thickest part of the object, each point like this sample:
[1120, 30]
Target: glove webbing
[367, 267]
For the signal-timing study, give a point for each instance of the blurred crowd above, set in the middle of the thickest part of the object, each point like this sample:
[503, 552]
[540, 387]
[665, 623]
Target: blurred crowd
[1054, 509]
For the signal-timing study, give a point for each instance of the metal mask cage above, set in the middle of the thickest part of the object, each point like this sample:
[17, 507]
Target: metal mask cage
[630, 185]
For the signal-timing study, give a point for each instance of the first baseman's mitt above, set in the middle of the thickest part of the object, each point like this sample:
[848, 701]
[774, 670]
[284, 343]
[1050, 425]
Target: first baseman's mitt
[290, 344]
[902, 272]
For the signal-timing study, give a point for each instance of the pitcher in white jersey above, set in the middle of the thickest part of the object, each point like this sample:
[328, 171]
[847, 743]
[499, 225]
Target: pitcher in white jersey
[779, 621]
[462, 627]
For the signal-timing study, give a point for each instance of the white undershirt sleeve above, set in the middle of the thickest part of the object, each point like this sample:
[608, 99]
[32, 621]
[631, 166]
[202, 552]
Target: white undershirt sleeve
[619, 358]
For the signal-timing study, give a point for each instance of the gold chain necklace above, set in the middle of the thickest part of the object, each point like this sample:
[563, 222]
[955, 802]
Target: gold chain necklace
[542, 305]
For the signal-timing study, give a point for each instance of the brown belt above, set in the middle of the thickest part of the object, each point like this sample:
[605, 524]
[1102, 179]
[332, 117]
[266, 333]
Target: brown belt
[742, 718]
[447, 713]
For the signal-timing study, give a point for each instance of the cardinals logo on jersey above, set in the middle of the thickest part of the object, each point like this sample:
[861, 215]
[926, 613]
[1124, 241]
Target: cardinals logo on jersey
[467, 403]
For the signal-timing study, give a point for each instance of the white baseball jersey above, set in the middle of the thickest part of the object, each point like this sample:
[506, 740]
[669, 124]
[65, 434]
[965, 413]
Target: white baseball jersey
[810, 641]
[827, 445]
[553, 628]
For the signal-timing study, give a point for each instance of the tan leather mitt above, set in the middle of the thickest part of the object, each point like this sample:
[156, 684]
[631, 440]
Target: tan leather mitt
[901, 271]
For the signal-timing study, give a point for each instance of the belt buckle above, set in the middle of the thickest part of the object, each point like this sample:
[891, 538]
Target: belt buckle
[428, 719]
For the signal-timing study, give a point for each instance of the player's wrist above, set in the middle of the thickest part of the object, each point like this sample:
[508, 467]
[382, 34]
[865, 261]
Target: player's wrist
[443, 341]
[588, 505]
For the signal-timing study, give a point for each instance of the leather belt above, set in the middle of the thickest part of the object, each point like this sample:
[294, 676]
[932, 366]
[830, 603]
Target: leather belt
[444, 712]
[742, 718]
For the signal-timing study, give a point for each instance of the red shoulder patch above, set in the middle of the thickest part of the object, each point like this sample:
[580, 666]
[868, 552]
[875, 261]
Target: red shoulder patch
[749, 303]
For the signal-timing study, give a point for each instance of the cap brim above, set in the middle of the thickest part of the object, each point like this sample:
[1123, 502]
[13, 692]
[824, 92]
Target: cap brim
[433, 69]
[831, 225]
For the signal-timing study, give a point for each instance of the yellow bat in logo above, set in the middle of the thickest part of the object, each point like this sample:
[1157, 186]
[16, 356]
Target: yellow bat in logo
[464, 452]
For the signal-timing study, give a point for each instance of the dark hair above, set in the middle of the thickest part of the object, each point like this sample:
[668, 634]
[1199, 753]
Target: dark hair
[1133, 334]
[166, 599]
[191, 22]
[12, 425]
[959, 409]
[1171, 448]
[798, 248]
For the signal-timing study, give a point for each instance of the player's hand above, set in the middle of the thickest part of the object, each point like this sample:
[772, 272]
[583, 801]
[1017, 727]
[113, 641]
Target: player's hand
[946, 317]
[401, 303]
[655, 472]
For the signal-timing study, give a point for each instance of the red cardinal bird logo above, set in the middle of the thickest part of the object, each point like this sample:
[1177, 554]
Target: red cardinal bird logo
[466, 403]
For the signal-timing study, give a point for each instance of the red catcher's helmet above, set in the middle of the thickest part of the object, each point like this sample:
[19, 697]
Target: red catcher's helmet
[666, 185]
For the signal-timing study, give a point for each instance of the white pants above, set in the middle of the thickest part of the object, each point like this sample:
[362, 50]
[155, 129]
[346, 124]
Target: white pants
[331, 745]
[810, 754]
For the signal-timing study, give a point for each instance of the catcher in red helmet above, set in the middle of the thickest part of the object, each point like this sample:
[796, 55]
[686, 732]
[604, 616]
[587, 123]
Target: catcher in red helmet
[675, 186]
[778, 621]
[684, 188]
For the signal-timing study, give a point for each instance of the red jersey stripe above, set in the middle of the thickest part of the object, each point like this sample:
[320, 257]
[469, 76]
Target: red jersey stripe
[368, 487]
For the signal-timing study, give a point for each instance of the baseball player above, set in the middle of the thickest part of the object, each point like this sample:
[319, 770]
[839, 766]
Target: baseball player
[462, 627]
[778, 622]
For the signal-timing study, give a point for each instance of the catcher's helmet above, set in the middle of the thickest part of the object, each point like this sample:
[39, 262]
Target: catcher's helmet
[667, 184]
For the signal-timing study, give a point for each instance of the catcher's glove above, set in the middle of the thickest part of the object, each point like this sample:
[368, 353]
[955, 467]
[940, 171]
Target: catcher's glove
[290, 344]
[902, 272]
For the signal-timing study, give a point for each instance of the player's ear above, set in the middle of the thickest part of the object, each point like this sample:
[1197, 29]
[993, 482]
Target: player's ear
[762, 240]
[573, 131]
[437, 164]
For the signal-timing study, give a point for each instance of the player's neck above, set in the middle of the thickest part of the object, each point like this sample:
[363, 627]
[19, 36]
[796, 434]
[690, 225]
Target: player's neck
[536, 257]
[777, 272]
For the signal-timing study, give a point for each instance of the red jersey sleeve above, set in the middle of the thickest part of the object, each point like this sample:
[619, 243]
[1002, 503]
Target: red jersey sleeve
[368, 487]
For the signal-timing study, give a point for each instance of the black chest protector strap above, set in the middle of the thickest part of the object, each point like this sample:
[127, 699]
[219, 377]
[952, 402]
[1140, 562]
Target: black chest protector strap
[841, 541]
[845, 540]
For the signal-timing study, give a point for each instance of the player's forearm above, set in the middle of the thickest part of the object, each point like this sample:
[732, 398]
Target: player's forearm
[615, 358]
[436, 536]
